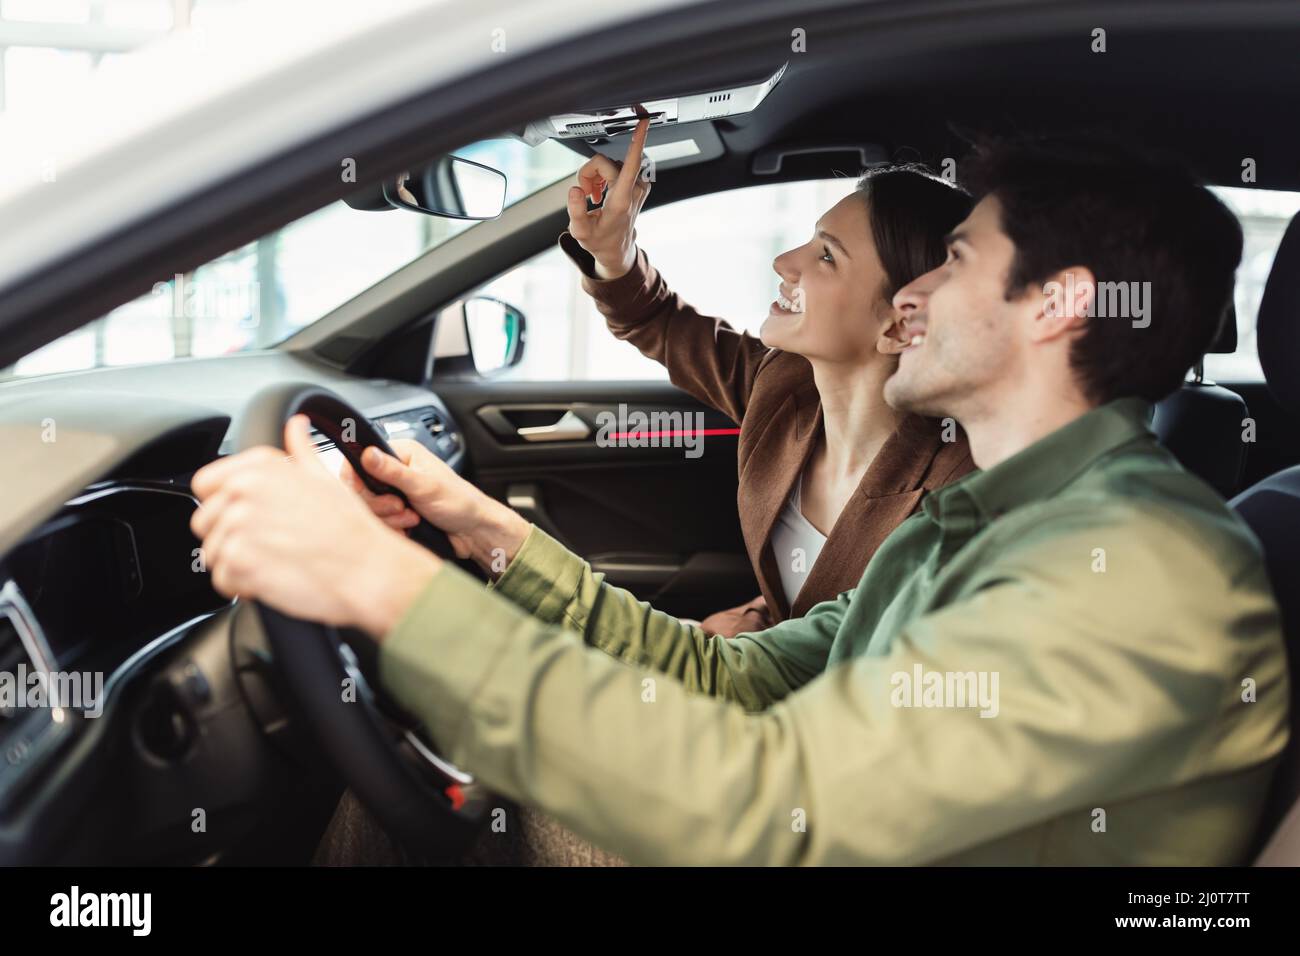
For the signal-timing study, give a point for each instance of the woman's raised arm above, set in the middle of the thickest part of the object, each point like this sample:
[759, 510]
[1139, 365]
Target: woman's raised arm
[704, 355]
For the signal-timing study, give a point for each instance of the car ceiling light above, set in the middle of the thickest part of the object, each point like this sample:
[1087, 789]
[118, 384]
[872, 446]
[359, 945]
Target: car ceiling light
[679, 149]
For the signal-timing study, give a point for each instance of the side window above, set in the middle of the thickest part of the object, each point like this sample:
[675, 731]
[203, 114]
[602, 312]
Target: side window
[716, 251]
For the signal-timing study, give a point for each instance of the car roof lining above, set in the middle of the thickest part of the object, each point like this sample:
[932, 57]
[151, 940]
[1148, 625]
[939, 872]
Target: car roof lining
[1230, 105]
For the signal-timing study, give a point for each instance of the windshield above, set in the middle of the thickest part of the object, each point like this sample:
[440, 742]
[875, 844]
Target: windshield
[259, 294]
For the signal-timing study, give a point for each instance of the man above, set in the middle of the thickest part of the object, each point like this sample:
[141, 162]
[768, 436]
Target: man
[1071, 656]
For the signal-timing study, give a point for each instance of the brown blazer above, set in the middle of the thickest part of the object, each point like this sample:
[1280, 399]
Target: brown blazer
[772, 396]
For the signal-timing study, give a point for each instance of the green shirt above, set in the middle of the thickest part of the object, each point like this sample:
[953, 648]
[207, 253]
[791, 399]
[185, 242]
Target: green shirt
[1073, 657]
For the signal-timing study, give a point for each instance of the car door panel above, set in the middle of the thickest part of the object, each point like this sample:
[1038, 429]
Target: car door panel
[660, 521]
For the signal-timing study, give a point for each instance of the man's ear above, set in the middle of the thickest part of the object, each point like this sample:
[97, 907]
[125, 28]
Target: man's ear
[894, 337]
[1067, 300]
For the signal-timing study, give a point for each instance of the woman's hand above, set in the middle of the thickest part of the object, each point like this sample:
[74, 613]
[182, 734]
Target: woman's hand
[280, 529]
[609, 233]
[739, 620]
[478, 526]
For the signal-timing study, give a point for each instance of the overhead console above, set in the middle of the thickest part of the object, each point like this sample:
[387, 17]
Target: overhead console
[682, 130]
[669, 111]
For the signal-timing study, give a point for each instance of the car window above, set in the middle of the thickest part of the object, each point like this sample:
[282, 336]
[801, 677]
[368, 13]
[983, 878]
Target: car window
[259, 294]
[694, 245]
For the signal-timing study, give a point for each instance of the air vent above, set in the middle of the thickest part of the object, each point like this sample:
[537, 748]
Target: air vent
[322, 442]
[18, 646]
[431, 422]
[585, 129]
[26, 733]
[12, 654]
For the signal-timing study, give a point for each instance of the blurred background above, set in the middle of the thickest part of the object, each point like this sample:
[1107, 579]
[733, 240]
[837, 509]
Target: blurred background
[716, 251]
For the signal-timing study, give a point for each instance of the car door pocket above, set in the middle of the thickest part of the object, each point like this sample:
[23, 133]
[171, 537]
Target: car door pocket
[693, 584]
[638, 572]
[526, 499]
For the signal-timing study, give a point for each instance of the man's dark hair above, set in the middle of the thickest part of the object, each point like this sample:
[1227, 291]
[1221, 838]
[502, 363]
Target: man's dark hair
[1129, 216]
[911, 210]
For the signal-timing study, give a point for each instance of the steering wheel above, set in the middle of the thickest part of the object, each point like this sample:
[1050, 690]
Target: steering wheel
[419, 798]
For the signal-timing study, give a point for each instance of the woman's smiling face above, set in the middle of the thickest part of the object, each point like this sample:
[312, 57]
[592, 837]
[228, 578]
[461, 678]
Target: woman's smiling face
[830, 304]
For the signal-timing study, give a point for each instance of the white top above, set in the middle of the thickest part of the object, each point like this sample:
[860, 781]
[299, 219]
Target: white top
[796, 543]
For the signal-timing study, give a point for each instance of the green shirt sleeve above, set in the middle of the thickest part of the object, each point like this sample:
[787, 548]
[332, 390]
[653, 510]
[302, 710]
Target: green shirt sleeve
[755, 670]
[1107, 690]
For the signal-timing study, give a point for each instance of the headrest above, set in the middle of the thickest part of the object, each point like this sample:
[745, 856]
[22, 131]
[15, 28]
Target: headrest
[1278, 329]
[1225, 343]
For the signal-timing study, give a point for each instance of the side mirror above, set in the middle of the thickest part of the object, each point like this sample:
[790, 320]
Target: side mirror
[496, 332]
[450, 187]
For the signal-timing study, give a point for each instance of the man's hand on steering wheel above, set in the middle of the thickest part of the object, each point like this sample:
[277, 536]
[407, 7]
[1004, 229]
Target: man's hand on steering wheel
[478, 526]
[312, 565]
[282, 530]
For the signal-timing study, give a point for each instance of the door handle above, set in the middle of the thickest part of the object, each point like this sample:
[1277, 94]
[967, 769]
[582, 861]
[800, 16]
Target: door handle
[569, 428]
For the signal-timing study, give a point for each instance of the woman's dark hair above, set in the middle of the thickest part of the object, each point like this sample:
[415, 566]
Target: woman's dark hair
[911, 210]
[1130, 216]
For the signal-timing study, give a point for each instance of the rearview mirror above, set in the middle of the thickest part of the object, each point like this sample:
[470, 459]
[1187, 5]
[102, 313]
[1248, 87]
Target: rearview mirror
[450, 187]
[496, 332]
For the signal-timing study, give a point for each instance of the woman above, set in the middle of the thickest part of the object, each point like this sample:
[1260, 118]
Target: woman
[827, 469]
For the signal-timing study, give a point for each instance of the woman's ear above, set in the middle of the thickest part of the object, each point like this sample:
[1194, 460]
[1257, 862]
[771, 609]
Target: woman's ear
[893, 337]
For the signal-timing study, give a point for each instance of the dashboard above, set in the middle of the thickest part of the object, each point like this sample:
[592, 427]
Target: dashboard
[113, 578]
[429, 425]
[117, 563]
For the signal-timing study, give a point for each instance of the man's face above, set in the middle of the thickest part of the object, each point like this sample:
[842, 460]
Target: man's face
[969, 334]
